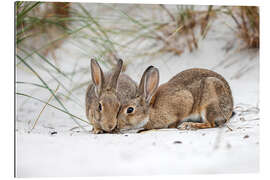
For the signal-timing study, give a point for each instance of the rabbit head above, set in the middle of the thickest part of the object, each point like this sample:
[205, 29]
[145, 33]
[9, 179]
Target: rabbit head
[107, 104]
[135, 113]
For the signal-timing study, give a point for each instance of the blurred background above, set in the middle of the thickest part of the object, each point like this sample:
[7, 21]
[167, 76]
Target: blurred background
[55, 41]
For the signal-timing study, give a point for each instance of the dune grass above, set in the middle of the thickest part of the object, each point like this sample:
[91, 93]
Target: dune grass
[247, 25]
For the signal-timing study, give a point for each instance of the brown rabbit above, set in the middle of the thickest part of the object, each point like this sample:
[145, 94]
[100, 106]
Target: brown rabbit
[105, 95]
[194, 98]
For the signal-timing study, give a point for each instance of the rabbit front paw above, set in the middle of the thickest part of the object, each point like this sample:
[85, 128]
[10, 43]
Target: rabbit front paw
[97, 131]
[186, 126]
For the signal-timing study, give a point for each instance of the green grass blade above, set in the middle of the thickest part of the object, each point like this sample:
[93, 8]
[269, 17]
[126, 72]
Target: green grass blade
[22, 14]
[53, 66]
[41, 86]
[59, 82]
[99, 27]
[50, 43]
[57, 108]
[46, 85]
[30, 83]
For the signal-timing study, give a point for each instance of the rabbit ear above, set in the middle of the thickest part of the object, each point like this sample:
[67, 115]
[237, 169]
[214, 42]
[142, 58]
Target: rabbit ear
[151, 83]
[141, 85]
[97, 77]
[113, 81]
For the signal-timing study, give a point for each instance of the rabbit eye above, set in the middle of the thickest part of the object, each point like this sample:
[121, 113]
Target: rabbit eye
[130, 110]
[99, 107]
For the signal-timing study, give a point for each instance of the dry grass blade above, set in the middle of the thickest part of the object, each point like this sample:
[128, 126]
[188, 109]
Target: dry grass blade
[180, 33]
[167, 11]
[229, 128]
[44, 107]
[247, 20]
[205, 21]
[176, 31]
[49, 89]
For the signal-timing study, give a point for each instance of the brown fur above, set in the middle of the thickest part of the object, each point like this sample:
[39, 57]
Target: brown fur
[193, 91]
[113, 92]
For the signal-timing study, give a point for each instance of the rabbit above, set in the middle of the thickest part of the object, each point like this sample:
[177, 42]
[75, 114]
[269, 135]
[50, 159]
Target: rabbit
[105, 95]
[193, 99]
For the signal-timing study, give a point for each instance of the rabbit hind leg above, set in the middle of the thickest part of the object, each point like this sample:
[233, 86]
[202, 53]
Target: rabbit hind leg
[211, 115]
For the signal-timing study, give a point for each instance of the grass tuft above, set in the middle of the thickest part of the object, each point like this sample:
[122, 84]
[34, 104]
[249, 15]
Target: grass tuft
[247, 23]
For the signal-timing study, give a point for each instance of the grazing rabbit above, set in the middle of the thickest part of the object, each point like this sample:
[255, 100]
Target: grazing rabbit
[105, 95]
[193, 99]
